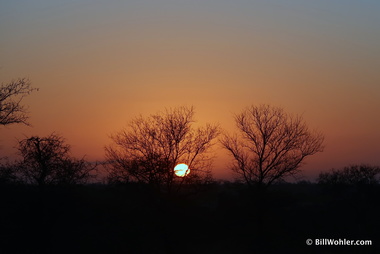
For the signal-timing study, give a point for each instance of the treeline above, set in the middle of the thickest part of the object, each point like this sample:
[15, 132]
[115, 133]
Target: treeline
[47, 161]
[269, 145]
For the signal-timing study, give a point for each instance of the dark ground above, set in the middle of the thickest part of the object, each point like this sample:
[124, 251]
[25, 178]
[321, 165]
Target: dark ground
[223, 218]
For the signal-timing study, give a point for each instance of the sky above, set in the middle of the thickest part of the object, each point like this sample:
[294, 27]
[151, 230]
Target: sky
[98, 64]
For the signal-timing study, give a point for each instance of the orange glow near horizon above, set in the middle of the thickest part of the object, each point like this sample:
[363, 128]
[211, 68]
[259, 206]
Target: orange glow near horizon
[97, 66]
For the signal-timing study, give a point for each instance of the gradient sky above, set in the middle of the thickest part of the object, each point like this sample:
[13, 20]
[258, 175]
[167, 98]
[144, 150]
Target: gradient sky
[100, 63]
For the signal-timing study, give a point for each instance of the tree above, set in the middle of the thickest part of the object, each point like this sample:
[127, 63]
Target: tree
[46, 161]
[271, 144]
[11, 96]
[149, 148]
[352, 175]
[8, 173]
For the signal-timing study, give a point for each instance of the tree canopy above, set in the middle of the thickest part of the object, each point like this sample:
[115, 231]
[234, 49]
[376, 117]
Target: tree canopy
[47, 160]
[150, 147]
[11, 96]
[270, 144]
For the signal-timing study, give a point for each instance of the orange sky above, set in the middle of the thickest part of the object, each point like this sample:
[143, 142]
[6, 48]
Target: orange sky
[100, 64]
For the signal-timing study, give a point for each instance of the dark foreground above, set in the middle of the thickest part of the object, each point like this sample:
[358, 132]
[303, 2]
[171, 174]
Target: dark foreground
[222, 218]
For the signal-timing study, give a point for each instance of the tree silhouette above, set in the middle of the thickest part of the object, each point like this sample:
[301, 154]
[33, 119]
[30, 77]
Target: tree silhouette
[150, 147]
[271, 144]
[11, 96]
[46, 161]
[352, 175]
[8, 173]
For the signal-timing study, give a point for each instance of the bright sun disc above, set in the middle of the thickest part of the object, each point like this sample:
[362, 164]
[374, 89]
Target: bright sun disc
[181, 170]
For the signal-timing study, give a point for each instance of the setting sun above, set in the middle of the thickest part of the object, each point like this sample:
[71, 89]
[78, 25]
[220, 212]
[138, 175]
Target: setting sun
[181, 170]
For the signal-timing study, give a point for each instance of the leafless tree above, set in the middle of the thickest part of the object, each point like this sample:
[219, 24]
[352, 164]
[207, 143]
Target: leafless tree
[271, 144]
[11, 96]
[8, 172]
[46, 161]
[150, 147]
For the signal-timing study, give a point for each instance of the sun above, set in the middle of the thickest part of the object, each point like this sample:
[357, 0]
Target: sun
[181, 170]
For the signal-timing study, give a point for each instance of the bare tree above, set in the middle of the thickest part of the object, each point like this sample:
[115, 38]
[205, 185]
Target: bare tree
[8, 173]
[352, 175]
[46, 160]
[11, 96]
[271, 144]
[149, 148]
